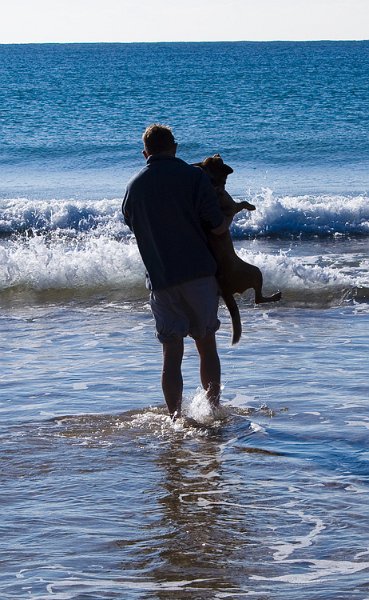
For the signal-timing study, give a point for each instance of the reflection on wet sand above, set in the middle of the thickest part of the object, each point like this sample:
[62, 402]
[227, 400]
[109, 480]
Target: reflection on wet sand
[198, 549]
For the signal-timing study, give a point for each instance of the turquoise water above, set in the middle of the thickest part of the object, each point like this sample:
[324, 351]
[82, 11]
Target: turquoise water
[101, 496]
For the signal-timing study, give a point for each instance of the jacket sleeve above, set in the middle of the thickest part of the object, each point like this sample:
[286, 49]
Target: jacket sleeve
[125, 209]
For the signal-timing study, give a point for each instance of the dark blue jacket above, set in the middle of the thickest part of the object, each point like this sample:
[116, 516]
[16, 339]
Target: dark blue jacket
[169, 205]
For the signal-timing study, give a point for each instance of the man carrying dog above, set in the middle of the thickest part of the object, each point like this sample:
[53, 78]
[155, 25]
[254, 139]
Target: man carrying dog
[169, 205]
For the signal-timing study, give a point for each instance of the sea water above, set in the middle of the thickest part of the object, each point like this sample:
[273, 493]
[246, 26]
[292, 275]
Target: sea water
[101, 495]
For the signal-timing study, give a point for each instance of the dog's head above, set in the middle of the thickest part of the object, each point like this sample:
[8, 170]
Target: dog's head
[217, 170]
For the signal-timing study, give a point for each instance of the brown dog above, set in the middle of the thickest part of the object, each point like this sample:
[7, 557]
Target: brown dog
[234, 275]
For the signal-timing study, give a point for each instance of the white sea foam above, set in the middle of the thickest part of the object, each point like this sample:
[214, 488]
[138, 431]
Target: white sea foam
[54, 263]
[316, 570]
[199, 409]
[285, 549]
[92, 262]
[298, 275]
[312, 215]
[85, 244]
[274, 215]
[24, 214]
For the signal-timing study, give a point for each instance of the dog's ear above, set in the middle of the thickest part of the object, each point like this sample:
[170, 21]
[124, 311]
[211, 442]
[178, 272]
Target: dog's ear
[227, 169]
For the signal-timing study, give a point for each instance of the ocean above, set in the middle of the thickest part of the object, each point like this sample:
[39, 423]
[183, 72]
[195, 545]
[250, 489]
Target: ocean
[101, 495]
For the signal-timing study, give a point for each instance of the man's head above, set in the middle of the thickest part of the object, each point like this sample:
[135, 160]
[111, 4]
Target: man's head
[158, 139]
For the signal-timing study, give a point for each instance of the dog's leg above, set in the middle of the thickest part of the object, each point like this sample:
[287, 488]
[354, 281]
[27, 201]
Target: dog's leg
[258, 287]
[229, 206]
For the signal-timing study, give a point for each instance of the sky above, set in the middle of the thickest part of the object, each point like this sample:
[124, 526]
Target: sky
[25, 21]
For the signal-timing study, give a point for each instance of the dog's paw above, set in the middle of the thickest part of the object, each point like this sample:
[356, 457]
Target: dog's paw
[244, 205]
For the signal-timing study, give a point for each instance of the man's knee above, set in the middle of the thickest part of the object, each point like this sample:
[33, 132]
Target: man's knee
[207, 344]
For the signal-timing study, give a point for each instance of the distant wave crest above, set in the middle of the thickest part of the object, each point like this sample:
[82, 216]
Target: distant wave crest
[275, 216]
[293, 216]
[23, 215]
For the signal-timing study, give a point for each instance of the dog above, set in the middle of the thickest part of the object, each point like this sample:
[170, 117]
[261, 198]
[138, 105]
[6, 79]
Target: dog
[234, 275]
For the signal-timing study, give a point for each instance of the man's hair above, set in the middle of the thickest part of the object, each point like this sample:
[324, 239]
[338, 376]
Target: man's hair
[158, 138]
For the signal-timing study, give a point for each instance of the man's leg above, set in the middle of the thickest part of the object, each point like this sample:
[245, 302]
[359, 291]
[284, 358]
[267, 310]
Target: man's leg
[172, 382]
[209, 368]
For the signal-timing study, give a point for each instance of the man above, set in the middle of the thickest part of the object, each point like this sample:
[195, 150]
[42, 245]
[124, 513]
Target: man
[169, 205]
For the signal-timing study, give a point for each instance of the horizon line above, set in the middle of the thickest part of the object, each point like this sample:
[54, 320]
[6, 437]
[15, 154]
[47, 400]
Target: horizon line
[275, 41]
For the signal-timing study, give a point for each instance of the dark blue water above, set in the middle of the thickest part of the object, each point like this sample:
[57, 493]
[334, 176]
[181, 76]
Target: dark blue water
[282, 113]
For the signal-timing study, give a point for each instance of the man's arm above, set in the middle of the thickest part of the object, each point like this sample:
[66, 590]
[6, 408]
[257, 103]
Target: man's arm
[125, 211]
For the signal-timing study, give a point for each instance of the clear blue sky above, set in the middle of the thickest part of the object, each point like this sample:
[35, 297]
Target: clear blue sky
[188, 20]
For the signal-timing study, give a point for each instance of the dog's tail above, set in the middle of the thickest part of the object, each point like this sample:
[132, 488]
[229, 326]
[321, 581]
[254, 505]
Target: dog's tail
[232, 306]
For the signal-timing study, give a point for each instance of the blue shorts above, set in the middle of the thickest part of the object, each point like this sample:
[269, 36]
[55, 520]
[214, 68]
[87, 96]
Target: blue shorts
[189, 308]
